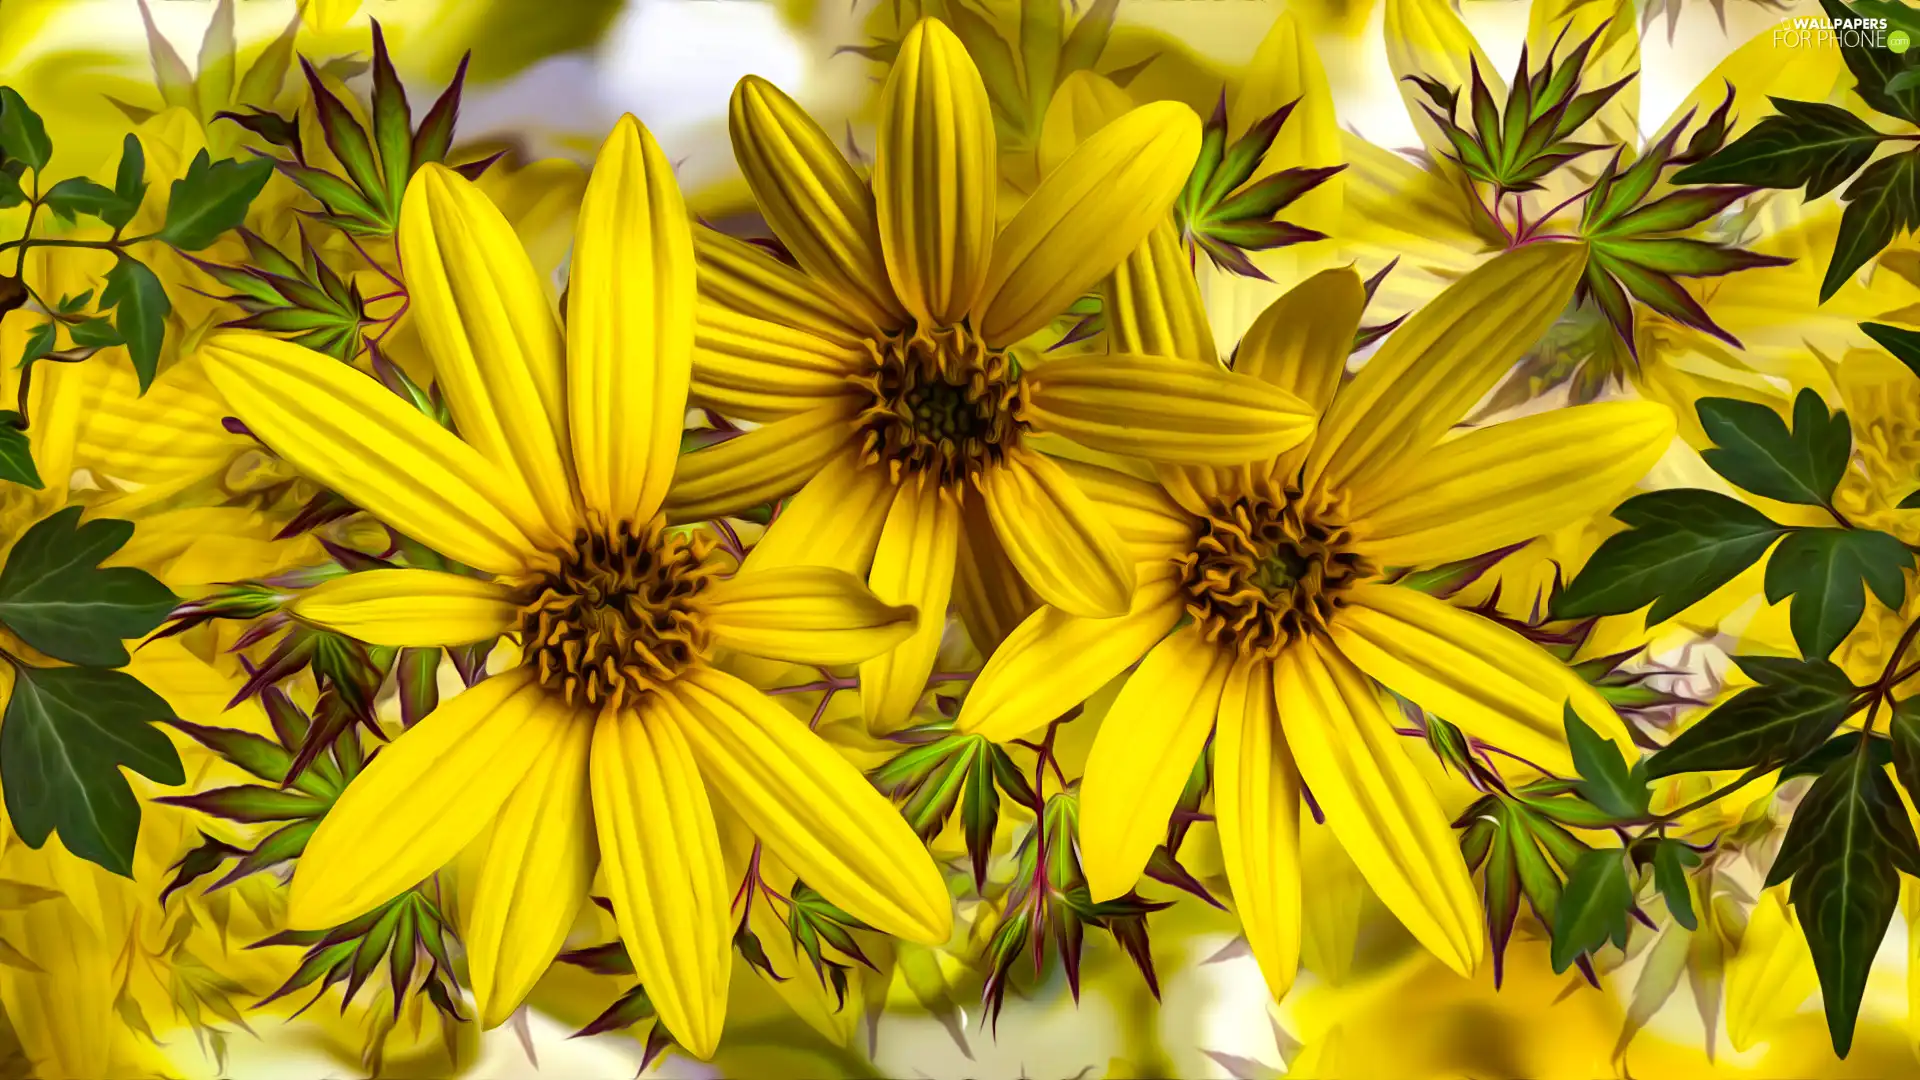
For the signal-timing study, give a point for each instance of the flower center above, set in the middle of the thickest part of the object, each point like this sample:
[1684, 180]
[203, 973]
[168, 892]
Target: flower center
[941, 402]
[616, 619]
[1265, 572]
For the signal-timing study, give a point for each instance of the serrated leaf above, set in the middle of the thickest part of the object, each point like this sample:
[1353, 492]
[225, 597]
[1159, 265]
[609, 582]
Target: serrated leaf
[1755, 450]
[1902, 343]
[1606, 780]
[1682, 545]
[1784, 718]
[66, 735]
[1809, 144]
[54, 595]
[140, 306]
[1593, 906]
[1881, 203]
[1827, 571]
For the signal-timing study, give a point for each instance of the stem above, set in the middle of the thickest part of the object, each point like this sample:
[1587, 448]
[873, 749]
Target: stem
[1711, 797]
[1493, 213]
[26, 242]
[1563, 204]
[33, 209]
[1520, 215]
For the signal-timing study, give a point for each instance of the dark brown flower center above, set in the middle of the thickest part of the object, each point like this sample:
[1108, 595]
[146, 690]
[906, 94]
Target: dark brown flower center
[616, 619]
[941, 402]
[1264, 572]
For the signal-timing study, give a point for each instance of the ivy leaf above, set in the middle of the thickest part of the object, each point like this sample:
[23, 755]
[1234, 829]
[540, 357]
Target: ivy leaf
[54, 595]
[1809, 144]
[1683, 544]
[76, 195]
[210, 199]
[140, 307]
[1797, 705]
[1606, 780]
[1903, 344]
[1824, 571]
[95, 332]
[16, 453]
[66, 735]
[1671, 858]
[1883, 202]
[22, 135]
[1755, 451]
[1844, 851]
[1593, 906]
[129, 183]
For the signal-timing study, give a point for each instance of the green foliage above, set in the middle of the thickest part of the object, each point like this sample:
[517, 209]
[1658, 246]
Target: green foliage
[16, 456]
[1606, 780]
[1220, 213]
[943, 771]
[1808, 144]
[303, 299]
[211, 199]
[1796, 705]
[54, 595]
[1594, 907]
[1522, 850]
[400, 932]
[140, 306]
[1681, 545]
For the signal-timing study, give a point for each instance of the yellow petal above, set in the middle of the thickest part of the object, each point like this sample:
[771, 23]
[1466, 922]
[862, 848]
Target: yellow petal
[1301, 342]
[1510, 482]
[1376, 801]
[1256, 807]
[1393, 208]
[1440, 362]
[664, 869]
[408, 608]
[1055, 536]
[1053, 661]
[169, 436]
[1082, 104]
[834, 521]
[989, 594]
[1146, 517]
[1142, 756]
[629, 328]
[744, 279]
[1085, 217]
[1286, 69]
[1164, 409]
[1494, 684]
[1428, 38]
[482, 313]
[912, 566]
[420, 801]
[1152, 303]
[534, 876]
[760, 371]
[812, 808]
[803, 615]
[813, 200]
[761, 465]
[352, 435]
[934, 179]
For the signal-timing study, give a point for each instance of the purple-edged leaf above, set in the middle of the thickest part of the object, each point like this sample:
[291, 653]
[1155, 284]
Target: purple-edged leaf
[204, 859]
[249, 803]
[1269, 194]
[473, 169]
[1663, 294]
[435, 136]
[1683, 258]
[277, 130]
[349, 144]
[340, 197]
[631, 1008]
[419, 680]
[1680, 210]
[1165, 869]
[284, 843]
[1243, 158]
[392, 121]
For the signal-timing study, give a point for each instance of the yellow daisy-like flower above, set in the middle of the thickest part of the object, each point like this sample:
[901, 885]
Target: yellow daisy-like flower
[601, 748]
[881, 365]
[1265, 610]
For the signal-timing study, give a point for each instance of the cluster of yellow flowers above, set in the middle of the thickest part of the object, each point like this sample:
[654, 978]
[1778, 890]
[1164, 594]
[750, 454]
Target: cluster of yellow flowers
[535, 589]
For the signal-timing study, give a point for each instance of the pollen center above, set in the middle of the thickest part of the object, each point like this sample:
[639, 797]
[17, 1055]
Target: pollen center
[941, 402]
[616, 619]
[1264, 572]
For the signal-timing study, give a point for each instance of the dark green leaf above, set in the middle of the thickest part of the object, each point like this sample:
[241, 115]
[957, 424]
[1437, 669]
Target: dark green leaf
[1904, 746]
[1824, 570]
[56, 598]
[1875, 66]
[1593, 906]
[1881, 203]
[129, 184]
[392, 121]
[22, 136]
[1606, 780]
[140, 308]
[95, 332]
[1809, 143]
[1776, 722]
[67, 734]
[1903, 344]
[1502, 887]
[1815, 763]
[16, 453]
[1683, 545]
[251, 803]
[212, 198]
[1671, 858]
[76, 195]
[1844, 851]
[1754, 449]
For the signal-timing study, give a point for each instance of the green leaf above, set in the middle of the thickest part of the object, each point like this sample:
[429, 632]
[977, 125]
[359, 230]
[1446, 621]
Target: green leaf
[1815, 763]
[40, 342]
[1606, 780]
[67, 734]
[1593, 906]
[16, 453]
[10, 193]
[1824, 570]
[75, 196]
[1809, 143]
[211, 198]
[1683, 545]
[129, 183]
[22, 136]
[1903, 344]
[1844, 851]
[392, 121]
[1754, 450]
[95, 332]
[56, 598]
[1875, 67]
[1671, 858]
[140, 313]
[1904, 730]
[1502, 887]
[1793, 710]
[1881, 203]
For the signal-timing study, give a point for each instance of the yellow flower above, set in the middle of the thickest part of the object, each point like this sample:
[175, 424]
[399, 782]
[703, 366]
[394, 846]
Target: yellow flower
[883, 373]
[601, 747]
[1264, 609]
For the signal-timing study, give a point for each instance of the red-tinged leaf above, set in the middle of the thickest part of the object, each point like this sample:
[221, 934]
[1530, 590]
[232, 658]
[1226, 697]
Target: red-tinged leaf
[1260, 235]
[1012, 781]
[435, 136]
[1069, 938]
[1243, 158]
[1131, 932]
[1680, 257]
[290, 723]
[471, 660]
[268, 259]
[473, 169]
[1582, 108]
[347, 205]
[1086, 327]
[373, 949]
[282, 844]
[1446, 580]
[1213, 149]
[1664, 295]
[277, 130]
[1227, 257]
[1630, 187]
[1009, 942]
[1372, 284]
[254, 285]
[443, 1000]
[1612, 301]
[1367, 335]
[349, 144]
[302, 938]
[392, 121]
[249, 803]
[1711, 135]
[286, 321]
[331, 720]
[1502, 887]
[1267, 196]
[311, 969]
[1439, 93]
[748, 945]
[419, 679]
[1164, 868]
[202, 860]
[258, 756]
[632, 1007]
[1121, 77]
[1680, 210]
[323, 509]
[980, 812]
[401, 959]
[658, 1040]
[608, 959]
